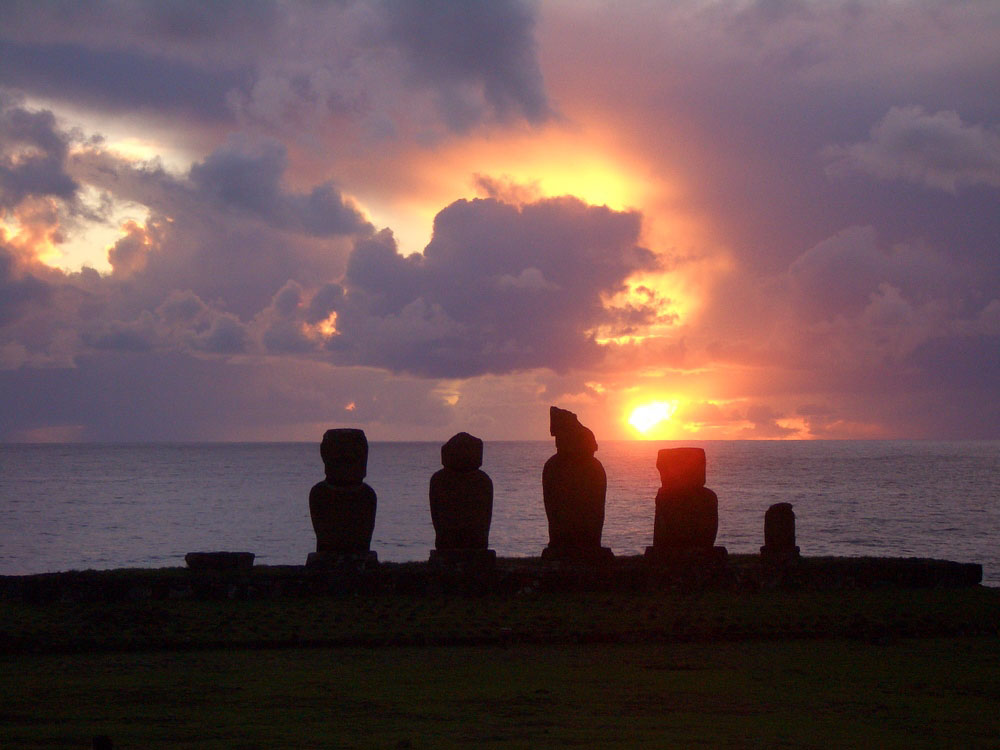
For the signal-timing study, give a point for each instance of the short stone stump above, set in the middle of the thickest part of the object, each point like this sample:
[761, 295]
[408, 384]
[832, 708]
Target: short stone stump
[579, 555]
[342, 561]
[219, 560]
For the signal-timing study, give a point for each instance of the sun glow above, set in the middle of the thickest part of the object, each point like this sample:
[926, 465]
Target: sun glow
[646, 417]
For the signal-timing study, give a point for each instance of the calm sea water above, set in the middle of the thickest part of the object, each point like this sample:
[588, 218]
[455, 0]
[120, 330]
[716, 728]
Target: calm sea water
[106, 506]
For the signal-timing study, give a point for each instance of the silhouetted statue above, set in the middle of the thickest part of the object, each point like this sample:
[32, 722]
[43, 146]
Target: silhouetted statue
[574, 486]
[342, 506]
[779, 534]
[687, 512]
[461, 498]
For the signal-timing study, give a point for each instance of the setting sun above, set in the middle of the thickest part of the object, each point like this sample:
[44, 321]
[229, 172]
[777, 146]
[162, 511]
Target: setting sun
[647, 416]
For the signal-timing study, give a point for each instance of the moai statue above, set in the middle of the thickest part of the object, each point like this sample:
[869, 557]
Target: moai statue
[779, 534]
[342, 506]
[574, 486]
[687, 512]
[461, 496]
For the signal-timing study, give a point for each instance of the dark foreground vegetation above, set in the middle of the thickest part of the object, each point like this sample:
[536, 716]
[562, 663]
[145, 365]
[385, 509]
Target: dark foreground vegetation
[766, 667]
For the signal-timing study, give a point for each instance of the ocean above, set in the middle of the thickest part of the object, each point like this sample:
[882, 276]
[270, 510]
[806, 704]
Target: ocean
[80, 506]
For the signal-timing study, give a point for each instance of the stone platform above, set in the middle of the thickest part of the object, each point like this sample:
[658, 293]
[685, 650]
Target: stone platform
[509, 577]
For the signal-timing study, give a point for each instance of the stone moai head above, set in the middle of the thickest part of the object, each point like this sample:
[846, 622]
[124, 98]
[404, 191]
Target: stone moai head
[681, 468]
[345, 455]
[463, 452]
[779, 527]
[571, 437]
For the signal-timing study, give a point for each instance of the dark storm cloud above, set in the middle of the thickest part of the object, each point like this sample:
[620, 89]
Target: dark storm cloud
[32, 155]
[247, 176]
[119, 80]
[499, 288]
[489, 45]
[18, 290]
[280, 64]
[936, 150]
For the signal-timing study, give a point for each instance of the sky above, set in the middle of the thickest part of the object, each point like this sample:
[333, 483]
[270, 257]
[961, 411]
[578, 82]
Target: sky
[770, 219]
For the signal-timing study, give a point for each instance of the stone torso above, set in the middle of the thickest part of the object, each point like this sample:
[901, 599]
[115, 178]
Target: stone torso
[343, 516]
[461, 509]
[573, 489]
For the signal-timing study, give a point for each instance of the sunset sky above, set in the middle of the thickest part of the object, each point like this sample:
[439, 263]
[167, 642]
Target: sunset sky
[259, 220]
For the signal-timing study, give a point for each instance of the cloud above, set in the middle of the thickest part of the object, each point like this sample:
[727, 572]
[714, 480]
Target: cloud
[18, 289]
[226, 335]
[283, 66]
[250, 288]
[499, 288]
[229, 231]
[481, 56]
[934, 150]
[838, 275]
[32, 155]
[118, 79]
[247, 176]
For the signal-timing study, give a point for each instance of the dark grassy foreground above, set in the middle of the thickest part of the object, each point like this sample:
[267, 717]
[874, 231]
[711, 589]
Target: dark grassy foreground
[851, 668]
[820, 694]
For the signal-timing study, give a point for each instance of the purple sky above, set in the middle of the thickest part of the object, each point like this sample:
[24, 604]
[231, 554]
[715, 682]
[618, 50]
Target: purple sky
[259, 220]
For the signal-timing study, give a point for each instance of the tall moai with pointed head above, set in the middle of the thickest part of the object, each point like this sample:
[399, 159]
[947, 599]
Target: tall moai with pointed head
[342, 506]
[574, 486]
[461, 498]
[687, 512]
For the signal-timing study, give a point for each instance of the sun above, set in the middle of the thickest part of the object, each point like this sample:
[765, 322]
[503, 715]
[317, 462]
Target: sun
[647, 416]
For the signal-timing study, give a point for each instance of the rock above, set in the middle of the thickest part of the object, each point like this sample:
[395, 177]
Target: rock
[779, 534]
[342, 507]
[219, 560]
[687, 512]
[345, 455]
[463, 452]
[574, 486]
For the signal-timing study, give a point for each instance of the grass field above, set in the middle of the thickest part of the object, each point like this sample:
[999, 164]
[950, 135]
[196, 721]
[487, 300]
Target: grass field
[913, 693]
[904, 668]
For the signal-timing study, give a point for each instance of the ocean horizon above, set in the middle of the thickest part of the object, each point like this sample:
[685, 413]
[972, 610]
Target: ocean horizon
[110, 505]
